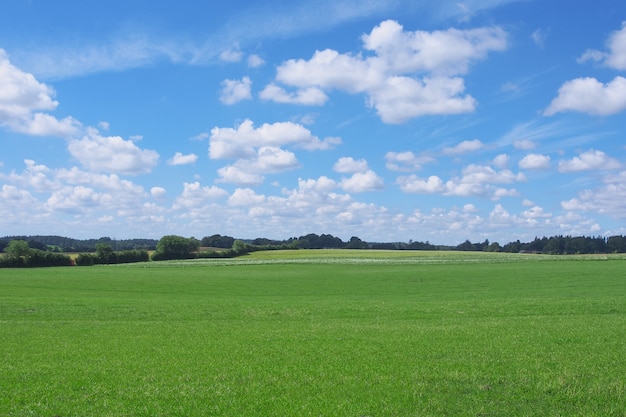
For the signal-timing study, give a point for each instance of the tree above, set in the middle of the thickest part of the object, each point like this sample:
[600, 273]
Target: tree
[240, 247]
[104, 252]
[218, 241]
[356, 243]
[17, 249]
[176, 247]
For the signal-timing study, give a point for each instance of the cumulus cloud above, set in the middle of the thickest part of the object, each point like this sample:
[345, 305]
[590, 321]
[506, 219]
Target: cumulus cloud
[350, 165]
[406, 161]
[258, 151]
[180, 159]
[361, 182]
[255, 61]
[158, 192]
[616, 56]
[77, 199]
[234, 91]
[524, 144]
[231, 55]
[535, 161]
[464, 147]
[501, 161]
[194, 194]
[608, 199]
[21, 93]
[404, 75]
[113, 154]
[310, 96]
[240, 175]
[477, 180]
[588, 95]
[22, 98]
[245, 197]
[590, 160]
[250, 171]
[229, 143]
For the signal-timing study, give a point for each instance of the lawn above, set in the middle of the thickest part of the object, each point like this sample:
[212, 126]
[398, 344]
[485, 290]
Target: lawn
[318, 333]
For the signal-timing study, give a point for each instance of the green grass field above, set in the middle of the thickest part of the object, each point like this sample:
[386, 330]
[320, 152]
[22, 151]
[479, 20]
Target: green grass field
[318, 333]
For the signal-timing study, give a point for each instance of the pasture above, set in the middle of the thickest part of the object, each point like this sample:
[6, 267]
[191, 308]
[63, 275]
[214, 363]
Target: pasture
[318, 333]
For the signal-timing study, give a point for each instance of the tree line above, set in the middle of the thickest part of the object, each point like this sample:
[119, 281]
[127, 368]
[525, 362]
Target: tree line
[34, 252]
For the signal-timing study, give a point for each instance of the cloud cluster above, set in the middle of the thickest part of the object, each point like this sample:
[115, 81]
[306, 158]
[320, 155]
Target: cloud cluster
[24, 103]
[404, 74]
[477, 180]
[589, 95]
[259, 150]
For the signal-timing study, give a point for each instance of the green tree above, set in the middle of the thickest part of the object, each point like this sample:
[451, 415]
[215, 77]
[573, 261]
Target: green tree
[240, 247]
[176, 247]
[17, 249]
[356, 243]
[104, 252]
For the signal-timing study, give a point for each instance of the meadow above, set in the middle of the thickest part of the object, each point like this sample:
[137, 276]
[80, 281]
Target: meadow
[318, 333]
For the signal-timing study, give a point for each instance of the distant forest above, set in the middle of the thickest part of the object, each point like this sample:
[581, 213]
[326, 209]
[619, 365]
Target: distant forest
[556, 245]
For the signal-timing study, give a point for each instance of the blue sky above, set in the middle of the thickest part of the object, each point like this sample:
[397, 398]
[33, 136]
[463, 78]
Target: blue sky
[387, 120]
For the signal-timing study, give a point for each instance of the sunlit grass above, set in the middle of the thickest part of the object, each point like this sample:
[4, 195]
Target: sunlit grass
[396, 334]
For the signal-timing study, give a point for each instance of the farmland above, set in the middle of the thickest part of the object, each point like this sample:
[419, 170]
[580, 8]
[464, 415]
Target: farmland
[318, 333]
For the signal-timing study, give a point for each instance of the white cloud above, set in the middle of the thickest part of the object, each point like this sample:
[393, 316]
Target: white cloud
[406, 161]
[524, 144]
[274, 159]
[590, 160]
[158, 192]
[441, 52]
[234, 91]
[361, 182]
[21, 99]
[255, 61]
[235, 174]
[350, 165]
[464, 147]
[78, 199]
[404, 98]
[477, 180]
[250, 171]
[42, 124]
[410, 74]
[180, 159]
[231, 55]
[311, 96]
[112, 153]
[414, 184]
[20, 93]
[16, 198]
[609, 199]
[588, 95]
[539, 37]
[501, 161]
[229, 143]
[245, 197]
[535, 161]
[195, 195]
[616, 56]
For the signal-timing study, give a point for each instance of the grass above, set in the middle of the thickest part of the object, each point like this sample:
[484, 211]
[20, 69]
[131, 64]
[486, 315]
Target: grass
[318, 333]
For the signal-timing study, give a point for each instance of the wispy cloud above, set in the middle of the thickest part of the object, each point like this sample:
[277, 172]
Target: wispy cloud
[137, 45]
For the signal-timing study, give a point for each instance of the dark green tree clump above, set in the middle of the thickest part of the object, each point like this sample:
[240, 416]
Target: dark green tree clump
[106, 255]
[18, 254]
[176, 247]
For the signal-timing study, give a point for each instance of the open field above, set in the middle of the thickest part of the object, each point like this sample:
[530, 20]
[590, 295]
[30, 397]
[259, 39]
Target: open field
[318, 333]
